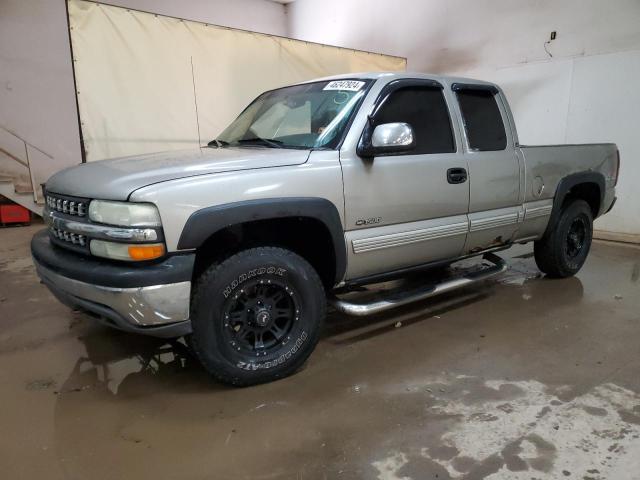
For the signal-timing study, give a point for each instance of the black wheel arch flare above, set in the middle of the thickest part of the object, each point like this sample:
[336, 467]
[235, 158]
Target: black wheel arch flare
[205, 222]
[570, 181]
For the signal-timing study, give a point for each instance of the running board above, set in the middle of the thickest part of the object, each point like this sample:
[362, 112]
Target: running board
[397, 299]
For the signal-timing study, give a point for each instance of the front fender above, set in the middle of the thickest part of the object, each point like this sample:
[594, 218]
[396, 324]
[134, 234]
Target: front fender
[203, 223]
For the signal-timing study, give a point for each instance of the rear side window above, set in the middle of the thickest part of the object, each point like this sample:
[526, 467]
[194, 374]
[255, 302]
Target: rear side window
[427, 113]
[482, 120]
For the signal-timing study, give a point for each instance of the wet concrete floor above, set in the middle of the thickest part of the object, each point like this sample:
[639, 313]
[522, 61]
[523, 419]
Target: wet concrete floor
[520, 378]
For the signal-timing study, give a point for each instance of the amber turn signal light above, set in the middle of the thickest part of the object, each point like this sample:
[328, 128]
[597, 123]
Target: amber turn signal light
[146, 252]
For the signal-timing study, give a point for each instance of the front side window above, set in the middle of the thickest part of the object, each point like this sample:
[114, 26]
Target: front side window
[482, 120]
[425, 109]
[311, 115]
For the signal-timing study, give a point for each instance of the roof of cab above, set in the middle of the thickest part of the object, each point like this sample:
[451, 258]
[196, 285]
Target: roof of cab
[445, 79]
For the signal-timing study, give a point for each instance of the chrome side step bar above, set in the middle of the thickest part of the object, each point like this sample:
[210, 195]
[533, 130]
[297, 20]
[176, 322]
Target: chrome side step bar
[397, 299]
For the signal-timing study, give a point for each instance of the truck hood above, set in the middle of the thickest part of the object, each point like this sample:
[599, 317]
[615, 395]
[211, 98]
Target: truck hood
[117, 178]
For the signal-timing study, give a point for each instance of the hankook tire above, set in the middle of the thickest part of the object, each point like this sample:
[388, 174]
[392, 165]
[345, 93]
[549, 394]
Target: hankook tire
[257, 316]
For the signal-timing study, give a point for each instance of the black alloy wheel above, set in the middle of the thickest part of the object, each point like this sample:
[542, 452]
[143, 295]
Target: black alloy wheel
[260, 316]
[576, 237]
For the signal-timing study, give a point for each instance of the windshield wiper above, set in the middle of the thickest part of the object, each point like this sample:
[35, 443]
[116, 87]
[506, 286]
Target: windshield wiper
[217, 143]
[269, 142]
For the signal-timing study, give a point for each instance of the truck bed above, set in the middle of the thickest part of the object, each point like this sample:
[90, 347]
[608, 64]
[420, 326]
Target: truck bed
[551, 163]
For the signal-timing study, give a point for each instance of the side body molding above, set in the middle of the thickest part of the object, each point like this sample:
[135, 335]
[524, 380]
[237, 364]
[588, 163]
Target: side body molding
[207, 221]
[570, 181]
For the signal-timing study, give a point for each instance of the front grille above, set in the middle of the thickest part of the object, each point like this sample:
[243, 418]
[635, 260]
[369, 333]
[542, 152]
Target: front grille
[68, 205]
[68, 237]
[75, 207]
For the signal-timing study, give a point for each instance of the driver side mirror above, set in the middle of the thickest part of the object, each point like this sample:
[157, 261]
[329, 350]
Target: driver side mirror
[387, 138]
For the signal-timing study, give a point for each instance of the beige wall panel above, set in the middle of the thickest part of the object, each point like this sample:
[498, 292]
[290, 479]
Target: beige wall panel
[140, 76]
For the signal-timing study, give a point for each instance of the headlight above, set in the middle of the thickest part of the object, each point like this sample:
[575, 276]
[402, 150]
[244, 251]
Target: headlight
[127, 251]
[124, 214]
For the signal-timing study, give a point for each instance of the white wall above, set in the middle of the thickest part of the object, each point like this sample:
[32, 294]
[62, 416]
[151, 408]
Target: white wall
[37, 99]
[585, 93]
[459, 35]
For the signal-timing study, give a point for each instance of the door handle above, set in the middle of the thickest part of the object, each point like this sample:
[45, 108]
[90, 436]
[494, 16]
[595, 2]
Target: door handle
[456, 175]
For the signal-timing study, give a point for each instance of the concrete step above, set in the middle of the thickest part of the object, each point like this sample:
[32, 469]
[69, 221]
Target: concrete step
[22, 188]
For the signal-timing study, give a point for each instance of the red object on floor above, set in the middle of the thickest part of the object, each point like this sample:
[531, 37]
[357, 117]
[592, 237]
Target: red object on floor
[14, 214]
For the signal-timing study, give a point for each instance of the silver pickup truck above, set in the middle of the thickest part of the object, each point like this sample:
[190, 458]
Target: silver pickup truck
[314, 189]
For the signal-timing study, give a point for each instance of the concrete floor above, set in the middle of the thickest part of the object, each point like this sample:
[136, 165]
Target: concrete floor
[522, 378]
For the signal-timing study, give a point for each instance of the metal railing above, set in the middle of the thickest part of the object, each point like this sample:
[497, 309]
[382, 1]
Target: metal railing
[27, 161]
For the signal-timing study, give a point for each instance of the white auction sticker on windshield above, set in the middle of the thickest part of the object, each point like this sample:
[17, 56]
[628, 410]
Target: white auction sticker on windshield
[351, 85]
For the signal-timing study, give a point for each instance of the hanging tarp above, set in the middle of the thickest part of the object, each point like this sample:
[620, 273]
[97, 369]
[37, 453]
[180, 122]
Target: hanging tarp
[147, 83]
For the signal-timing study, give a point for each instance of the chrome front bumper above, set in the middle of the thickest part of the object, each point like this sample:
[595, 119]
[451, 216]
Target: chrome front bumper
[141, 306]
[151, 299]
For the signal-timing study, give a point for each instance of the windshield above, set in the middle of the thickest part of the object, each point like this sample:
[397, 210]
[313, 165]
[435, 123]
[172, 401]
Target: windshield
[311, 115]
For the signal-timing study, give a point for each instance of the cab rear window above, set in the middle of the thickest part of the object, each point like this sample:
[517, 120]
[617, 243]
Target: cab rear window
[482, 120]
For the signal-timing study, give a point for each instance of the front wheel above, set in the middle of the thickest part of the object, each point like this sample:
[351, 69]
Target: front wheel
[564, 248]
[257, 316]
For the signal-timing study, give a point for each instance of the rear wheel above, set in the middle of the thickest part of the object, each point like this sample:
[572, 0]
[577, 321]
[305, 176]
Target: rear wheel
[257, 316]
[564, 249]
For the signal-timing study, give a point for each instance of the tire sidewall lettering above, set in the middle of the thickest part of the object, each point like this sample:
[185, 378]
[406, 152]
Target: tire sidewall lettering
[256, 272]
[276, 361]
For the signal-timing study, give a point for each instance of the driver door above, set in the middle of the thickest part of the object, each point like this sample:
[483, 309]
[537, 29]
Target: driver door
[407, 208]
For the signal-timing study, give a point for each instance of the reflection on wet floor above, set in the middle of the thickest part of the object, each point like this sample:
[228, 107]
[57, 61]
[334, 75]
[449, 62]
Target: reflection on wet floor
[125, 371]
[520, 377]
